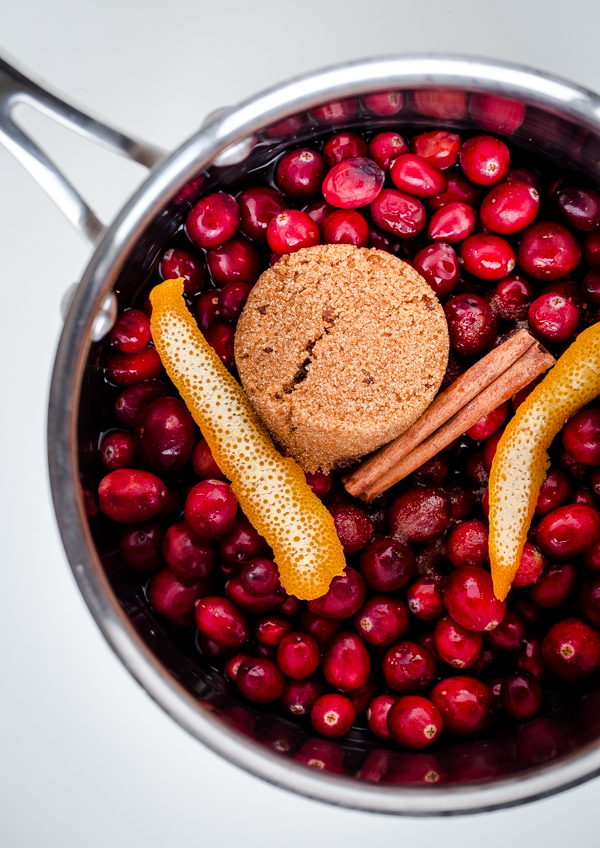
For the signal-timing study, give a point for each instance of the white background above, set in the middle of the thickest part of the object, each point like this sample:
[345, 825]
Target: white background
[86, 758]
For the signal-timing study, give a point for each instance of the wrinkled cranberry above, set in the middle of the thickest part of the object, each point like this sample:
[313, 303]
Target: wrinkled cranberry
[485, 160]
[332, 715]
[438, 264]
[398, 213]
[128, 495]
[568, 531]
[455, 645]
[385, 147]
[467, 705]
[470, 599]
[344, 598]
[408, 668]
[343, 145]
[210, 509]
[419, 515]
[547, 251]
[472, 325]
[189, 557]
[260, 680]
[213, 220]
[382, 620]
[353, 183]
[346, 662]
[140, 545]
[509, 208]
[571, 650]
[414, 722]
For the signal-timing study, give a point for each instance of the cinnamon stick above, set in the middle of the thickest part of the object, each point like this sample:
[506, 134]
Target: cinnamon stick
[495, 378]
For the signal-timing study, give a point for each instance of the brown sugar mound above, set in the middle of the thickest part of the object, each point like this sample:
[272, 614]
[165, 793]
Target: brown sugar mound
[340, 349]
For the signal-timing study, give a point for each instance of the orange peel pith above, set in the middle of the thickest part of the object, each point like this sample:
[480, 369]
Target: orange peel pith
[270, 488]
[521, 461]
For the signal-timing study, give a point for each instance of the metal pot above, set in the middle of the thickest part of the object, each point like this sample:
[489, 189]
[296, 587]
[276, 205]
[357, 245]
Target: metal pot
[538, 112]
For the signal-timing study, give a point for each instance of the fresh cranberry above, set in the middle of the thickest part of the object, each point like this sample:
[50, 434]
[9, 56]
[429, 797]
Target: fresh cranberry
[433, 472]
[131, 400]
[176, 263]
[510, 298]
[547, 251]
[129, 495]
[581, 436]
[415, 175]
[485, 160]
[140, 545]
[173, 598]
[242, 543]
[320, 483]
[438, 264]
[237, 261]
[398, 213]
[425, 600]
[125, 369]
[531, 566]
[189, 557]
[570, 464]
[387, 565]
[467, 543]
[571, 650]
[554, 585]
[385, 147]
[530, 657]
[232, 665]
[165, 435]
[299, 696]
[589, 601]
[321, 754]
[300, 172]
[203, 462]
[254, 604]
[323, 630]
[455, 645]
[521, 695]
[452, 223]
[438, 147]
[490, 447]
[414, 722]
[221, 621]
[343, 145]
[318, 210]
[488, 257]
[591, 248]
[509, 208]
[291, 607]
[408, 668]
[580, 207]
[260, 680]
[346, 662]
[232, 299]
[382, 620]
[353, 183]
[213, 220]
[131, 331]
[553, 318]
[568, 531]
[344, 598]
[467, 705]
[509, 634]
[461, 500]
[258, 206]
[345, 226]
[292, 230]
[419, 515]
[298, 655]
[490, 423]
[555, 491]
[459, 190]
[384, 103]
[591, 558]
[525, 176]
[472, 325]
[259, 577]
[586, 497]
[271, 628]
[470, 600]
[118, 450]
[332, 715]
[210, 509]
[377, 714]
[220, 338]
[353, 526]
[207, 310]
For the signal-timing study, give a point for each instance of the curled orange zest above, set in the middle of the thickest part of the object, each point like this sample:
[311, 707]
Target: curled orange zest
[270, 488]
[521, 461]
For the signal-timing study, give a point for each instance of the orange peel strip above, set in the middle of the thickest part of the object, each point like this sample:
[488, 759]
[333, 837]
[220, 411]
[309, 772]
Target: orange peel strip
[521, 461]
[270, 488]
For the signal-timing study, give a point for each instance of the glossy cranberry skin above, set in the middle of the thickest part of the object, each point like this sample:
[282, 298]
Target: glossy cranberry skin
[589, 601]
[470, 599]
[299, 696]
[487, 257]
[455, 645]
[353, 183]
[203, 462]
[319, 482]
[237, 261]
[591, 248]
[530, 657]
[581, 436]
[177, 262]
[323, 630]
[292, 230]
[260, 680]
[580, 207]
[433, 472]
[128, 495]
[189, 557]
[490, 423]
[242, 543]
[118, 450]
[300, 172]
[385, 147]
[398, 213]
[382, 620]
[345, 226]
[568, 531]
[353, 526]
[332, 715]
[510, 298]
[554, 585]
[555, 491]
[509, 634]
[271, 628]
[521, 696]
[346, 662]
[438, 265]
[220, 337]
[377, 714]
[140, 545]
[509, 208]
[591, 558]
[472, 325]
[531, 566]
[125, 369]
[571, 650]
[213, 220]
[254, 604]
[221, 621]
[425, 599]
[459, 190]
[408, 668]
[165, 435]
[419, 515]
[485, 160]
[207, 310]
[173, 598]
[258, 206]
[467, 543]
[417, 176]
[438, 147]
[414, 722]
[387, 565]
[553, 318]
[548, 251]
[298, 655]
[259, 577]
[232, 299]
[131, 331]
[343, 599]
[343, 145]
[452, 223]
[131, 400]
[210, 509]
[467, 705]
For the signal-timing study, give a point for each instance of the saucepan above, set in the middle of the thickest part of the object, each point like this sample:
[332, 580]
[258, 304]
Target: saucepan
[558, 749]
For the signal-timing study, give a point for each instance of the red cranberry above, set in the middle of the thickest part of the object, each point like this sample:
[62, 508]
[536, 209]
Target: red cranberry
[509, 634]
[438, 147]
[332, 715]
[441, 103]
[531, 566]
[521, 695]
[291, 607]
[140, 545]
[254, 604]
[553, 318]
[485, 160]
[260, 680]
[321, 754]
[433, 472]
[232, 299]
[213, 220]
[346, 662]
[270, 629]
[165, 435]
[345, 226]
[581, 436]
[398, 213]
[323, 630]
[461, 500]
[452, 223]
[131, 400]
[237, 261]
[298, 655]
[408, 668]
[320, 483]
[490, 447]
[459, 190]
[470, 600]
[571, 650]
[210, 509]
[300, 172]
[203, 462]
[189, 557]
[384, 103]
[344, 598]
[530, 657]
[125, 369]
[173, 598]
[258, 206]
[555, 491]
[569, 464]
[525, 176]
[382, 620]
[242, 543]
[438, 264]
[131, 331]
[586, 497]
[467, 705]
[220, 338]
[490, 423]
[232, 666]
[353, 526]
[591, 558]
[510, 298]
[318, 210]
[129, 495]
[591, 248]
[487, 257]
[353, 183]
[118, 450]
[472, 325]
[467, 543]
[454, 645]
[509, 207]
[414, 722]
[590, 288]
[259, 577]
[419, 514]
[589, 601]
[343, 145]
[518, 399]
[377, 715]
[176, 263]
[221, 621]
[207, 310]
[425, 599]
[580, 207]
[568, 531]
[554, 585]
[385, 147]
[548, 251]
[417, 176]
[299, 696]
[497, 114]
[292, 230]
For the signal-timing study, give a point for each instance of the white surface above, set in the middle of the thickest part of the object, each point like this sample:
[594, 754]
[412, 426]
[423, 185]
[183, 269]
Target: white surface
[86, 758]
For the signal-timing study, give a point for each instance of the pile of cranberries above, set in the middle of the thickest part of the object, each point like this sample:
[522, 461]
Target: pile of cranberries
[410, 643]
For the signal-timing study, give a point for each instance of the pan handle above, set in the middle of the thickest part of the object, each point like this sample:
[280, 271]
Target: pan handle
[16, 88]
